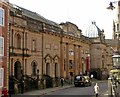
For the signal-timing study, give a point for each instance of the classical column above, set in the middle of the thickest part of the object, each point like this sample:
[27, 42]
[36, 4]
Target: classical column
[11, 67]
[67, 61]
[61, 60]
[80, 60]
[75, 60]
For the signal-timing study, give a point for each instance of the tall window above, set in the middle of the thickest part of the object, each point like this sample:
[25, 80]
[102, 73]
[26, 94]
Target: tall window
[33, 45]
[56, 70]
[1, 17]
[34, 69]
[18, 41]
[47, 69]
[1, 46]
[117, 27]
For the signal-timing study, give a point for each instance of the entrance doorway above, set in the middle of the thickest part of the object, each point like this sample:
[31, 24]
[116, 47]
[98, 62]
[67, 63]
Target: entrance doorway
[17, 70]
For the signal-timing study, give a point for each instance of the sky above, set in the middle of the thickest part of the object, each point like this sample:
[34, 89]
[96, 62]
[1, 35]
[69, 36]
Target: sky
[79, 12]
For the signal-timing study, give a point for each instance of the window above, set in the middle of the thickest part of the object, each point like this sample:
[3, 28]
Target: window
[18, 41]
[34, 68]
[33, 45]
[47, 69]
[117, 27]
[1, 17]
[119, 35]
[56, 70]
[1, 46]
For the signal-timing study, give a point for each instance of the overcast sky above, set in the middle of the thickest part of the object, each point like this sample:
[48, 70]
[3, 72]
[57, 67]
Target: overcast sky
[79, 12]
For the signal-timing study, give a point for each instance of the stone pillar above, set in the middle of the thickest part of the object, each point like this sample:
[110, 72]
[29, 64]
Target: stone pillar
[75, 61]
[79, 60]
[61, 60]
[67, 61]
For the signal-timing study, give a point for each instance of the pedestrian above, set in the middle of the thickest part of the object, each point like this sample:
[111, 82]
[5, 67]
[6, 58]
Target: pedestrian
[4, 92]
[22, 87]
[96, 89]
[62, 81]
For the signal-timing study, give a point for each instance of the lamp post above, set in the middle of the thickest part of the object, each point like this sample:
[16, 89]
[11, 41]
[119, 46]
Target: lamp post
[111, 7]
[116, 61]
[114, 78]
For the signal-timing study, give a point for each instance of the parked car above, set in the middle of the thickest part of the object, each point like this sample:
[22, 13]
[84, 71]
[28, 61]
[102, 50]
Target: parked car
[81, 80]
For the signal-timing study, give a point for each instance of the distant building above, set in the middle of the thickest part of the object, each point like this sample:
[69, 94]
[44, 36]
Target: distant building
[116, 29]
[98, 51]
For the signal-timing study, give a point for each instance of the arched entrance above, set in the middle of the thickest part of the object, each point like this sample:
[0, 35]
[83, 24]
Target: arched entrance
[48, 77]
[94, 73]
[17, 70]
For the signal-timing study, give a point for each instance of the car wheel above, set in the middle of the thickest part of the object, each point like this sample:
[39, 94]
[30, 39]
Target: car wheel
[76, 85]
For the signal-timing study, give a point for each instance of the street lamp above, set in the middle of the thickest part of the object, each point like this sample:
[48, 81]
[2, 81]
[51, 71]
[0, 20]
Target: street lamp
[116, 61]
[114, 79]
[111, 7]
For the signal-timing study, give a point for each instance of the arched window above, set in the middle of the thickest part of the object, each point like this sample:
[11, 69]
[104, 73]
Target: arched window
[34, 69]
[17, 70]
[33, 45]
[115, 36]
[18, 41]
[47, 69]
[56, 70]
[117, 27]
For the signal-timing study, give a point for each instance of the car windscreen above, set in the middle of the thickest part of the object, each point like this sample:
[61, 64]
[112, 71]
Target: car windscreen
[78, 78]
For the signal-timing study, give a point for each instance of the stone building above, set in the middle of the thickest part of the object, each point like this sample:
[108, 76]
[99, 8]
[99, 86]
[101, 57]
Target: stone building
[98, 53]
[75, 50]
[41, 51]
[115, 41]
[34, 47]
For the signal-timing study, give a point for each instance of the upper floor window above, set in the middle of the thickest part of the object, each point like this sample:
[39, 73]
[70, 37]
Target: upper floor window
[33, 45]
[117, 27]
[18, 41]
[1, 17]
[1, 46]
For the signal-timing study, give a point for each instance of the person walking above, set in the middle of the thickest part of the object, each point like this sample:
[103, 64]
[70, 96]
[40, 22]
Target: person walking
[4, 92]
[62, 81]
[96, 89]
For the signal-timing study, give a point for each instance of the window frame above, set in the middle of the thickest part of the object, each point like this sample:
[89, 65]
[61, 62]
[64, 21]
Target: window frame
[2, 17]
[34, 69]
[33, 45]
[2, 46]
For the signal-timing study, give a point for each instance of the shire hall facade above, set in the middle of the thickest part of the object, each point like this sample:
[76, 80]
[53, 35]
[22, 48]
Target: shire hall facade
[42, 51]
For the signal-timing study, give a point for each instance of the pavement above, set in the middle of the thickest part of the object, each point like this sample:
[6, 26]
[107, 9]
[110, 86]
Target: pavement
[48, 90]
[45, 91]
